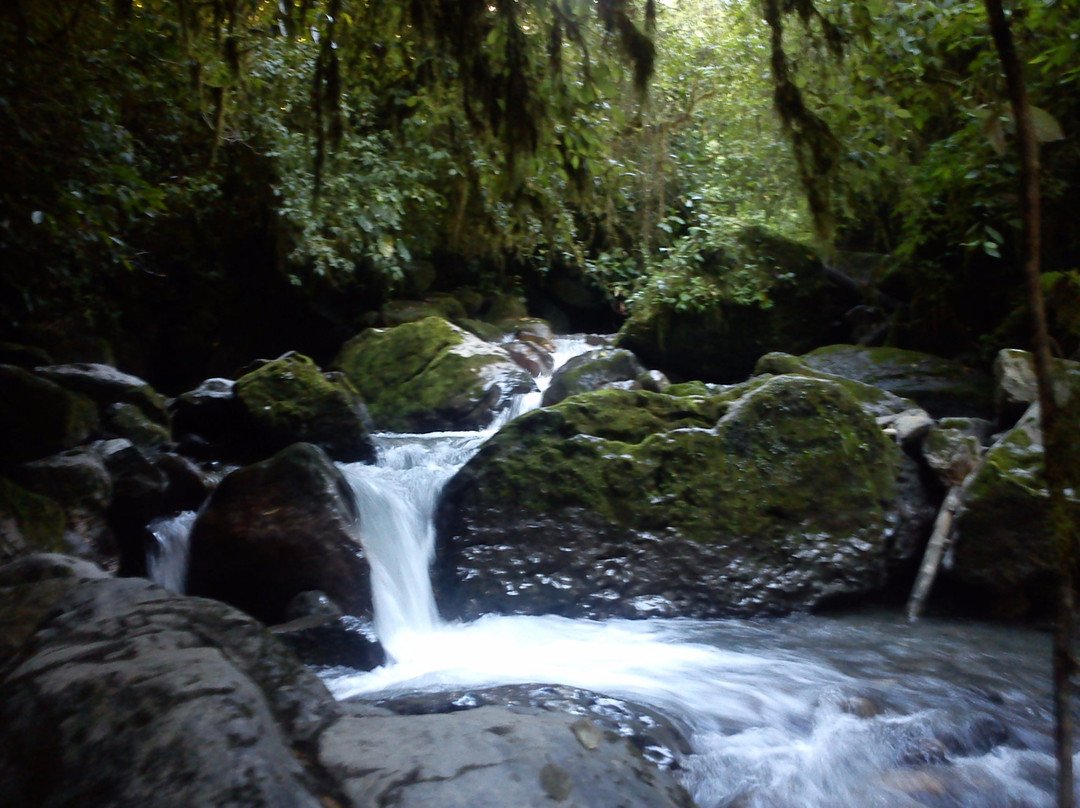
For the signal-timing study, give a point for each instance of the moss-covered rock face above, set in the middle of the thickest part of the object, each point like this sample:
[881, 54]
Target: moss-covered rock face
[106, 385]
[940, 386]
[39, 418]
[430, 375]
[875, 400]
[776, 495]
[1003, 548]
[793, 308]
[29, 523]
[290, 400]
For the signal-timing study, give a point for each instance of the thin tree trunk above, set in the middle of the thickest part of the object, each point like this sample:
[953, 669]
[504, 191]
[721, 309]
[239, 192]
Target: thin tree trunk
[935, 551]
[1054, 448]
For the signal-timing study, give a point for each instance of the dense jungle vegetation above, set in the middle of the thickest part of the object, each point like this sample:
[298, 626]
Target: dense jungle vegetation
[197, 181]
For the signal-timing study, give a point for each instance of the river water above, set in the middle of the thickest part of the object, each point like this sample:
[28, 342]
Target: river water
[860, 711]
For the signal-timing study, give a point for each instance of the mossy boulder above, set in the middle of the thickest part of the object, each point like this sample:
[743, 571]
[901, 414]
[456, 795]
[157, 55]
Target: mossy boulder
[289, 400]
[778, 494]
[769, 294]
[106, 385]
[874, 400]
[29, 523]
[278, 528]
[942, 387]
[606, 367]
[430, 375]
[1003, 552]
[39, 418]
[397, 312]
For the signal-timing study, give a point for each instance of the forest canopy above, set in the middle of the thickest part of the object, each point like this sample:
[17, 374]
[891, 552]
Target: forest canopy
[232, 147]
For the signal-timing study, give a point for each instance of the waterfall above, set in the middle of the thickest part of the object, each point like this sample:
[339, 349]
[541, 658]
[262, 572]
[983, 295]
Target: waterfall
[397, 497]
[804, 712]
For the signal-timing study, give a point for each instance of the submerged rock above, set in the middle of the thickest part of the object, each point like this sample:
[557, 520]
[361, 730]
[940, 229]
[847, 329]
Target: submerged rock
[774, 495]
[278, 528]
[430, 375]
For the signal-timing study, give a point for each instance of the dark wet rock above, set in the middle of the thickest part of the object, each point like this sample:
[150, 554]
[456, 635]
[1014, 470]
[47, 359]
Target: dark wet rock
[289, 400]
[39, 418]
[531, 356]
[186, 485]
[785, 302]
[1003, 546]
[594, 370]
[29, 523]
[210, 422]
[139, 496]
[876, 401]
[121, 694]
[397, 312]
[779, 494]
[312, 604]
[23, 356]
[80, 483]
[492, 757]
[341, 640]
[106, 385]
[942, 387]
[124, 420]
[430, 375]
[277, 528]
[1015, 386]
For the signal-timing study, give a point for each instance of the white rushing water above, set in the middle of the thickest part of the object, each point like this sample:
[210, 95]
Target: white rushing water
[864, 711]
[800, 713]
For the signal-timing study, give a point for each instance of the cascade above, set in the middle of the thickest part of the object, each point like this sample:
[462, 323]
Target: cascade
[802, 712]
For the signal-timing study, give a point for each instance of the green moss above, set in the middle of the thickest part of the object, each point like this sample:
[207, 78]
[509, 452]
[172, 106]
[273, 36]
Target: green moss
[874, 400]
[791, 456]
[290, 399]
[36, 525]
[419, 375]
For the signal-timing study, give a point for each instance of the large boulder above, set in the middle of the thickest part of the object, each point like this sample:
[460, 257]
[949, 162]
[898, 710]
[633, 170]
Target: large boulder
[118, 693]
[106, 385]
[278, 528]
[1004, 552]
[595, 370]
[289, 400]
[29, 523]
[875, 400]
[765, 294]
[942, 387]
[430, 375]
[775, 495]
[39, 418]
[493, 757]
[80, 483]
[1015, 385]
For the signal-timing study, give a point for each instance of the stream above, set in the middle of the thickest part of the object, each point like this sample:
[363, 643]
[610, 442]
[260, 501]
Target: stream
[850, 711]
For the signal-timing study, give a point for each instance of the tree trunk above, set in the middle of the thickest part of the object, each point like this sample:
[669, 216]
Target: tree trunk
[1054, 445]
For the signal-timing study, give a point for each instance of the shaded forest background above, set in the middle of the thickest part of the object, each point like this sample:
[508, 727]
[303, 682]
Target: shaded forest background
[192, 183]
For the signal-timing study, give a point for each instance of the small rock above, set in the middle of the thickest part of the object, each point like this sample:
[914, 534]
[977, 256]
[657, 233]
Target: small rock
[587, 733]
